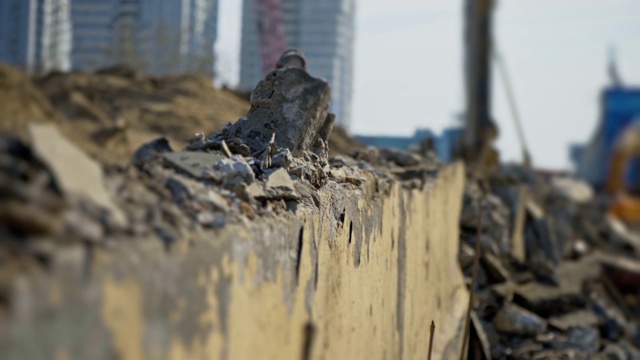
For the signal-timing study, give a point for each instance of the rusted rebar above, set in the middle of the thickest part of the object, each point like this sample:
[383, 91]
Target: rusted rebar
[474, 278]
[433, 330]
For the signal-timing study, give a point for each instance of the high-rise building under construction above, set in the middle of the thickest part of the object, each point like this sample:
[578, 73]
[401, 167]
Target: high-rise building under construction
[156, 36]
[35, 35]
[323, 30]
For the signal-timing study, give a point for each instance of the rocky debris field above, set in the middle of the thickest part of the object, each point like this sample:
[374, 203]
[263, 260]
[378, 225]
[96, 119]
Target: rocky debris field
[56, 193]
[557, 279]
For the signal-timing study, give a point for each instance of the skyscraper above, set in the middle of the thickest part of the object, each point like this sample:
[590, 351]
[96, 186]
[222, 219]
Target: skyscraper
[323, 30]
[156, 36]
[35, 34]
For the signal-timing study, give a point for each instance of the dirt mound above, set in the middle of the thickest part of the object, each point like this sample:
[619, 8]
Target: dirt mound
[111, 112]
[118, 110]
[21, 102]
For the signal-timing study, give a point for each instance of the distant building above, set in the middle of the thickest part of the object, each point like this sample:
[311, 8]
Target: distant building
[323, 30]
[155, 36]
[35, 34]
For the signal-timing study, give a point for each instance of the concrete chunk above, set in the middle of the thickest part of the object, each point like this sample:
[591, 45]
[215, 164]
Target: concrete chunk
[194, 163]
[74, 171]
[290, 103]
[513, 319]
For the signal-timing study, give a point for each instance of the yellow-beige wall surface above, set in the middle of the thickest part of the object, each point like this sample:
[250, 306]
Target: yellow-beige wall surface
[360, 276]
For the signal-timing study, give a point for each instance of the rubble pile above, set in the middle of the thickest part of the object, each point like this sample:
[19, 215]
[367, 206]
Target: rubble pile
[112, 112]
[271, 162]
[557, 277]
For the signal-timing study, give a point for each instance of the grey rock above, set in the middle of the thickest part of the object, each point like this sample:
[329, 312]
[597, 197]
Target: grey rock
[466, 255]
[279, 179]
[290, 103]
[83, 226]
[218, 201]
[237, 146]
[400, 157]
[150, 152]
[194, 163]
[612, 352]
[512, 319]
[211, 220]
[235, 171]
[74, 171]
[495, 269]
[584, 338]
[178, 189]
[577, 318]
[166, 235]
[255, 191]
[282, 159]
[196, 138]
[280, 186]
[321, 145]
[567, 296]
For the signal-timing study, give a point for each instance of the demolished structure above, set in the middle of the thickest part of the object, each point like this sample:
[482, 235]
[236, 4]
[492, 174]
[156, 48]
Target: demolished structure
[249, 243]
[255, 242]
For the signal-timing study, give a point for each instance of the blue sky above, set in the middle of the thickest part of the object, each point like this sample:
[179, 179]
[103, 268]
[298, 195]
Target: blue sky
[409, 66]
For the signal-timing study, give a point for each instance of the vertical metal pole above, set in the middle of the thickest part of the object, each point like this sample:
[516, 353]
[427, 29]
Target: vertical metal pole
[477, 40]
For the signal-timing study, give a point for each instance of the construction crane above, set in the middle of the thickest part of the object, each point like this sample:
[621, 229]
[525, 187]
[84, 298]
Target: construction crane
[273, 41]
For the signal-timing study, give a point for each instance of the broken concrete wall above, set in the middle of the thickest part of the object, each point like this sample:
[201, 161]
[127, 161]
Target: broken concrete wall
[359, 277]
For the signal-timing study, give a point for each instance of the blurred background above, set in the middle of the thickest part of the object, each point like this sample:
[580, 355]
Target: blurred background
[396, 68]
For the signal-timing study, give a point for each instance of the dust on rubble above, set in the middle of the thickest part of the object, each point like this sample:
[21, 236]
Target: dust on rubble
[558, 278]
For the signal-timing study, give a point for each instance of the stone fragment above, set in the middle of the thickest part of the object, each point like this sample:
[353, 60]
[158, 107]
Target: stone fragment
[612, 352]
[179, 190]
[400, 157]
[575, 190]
[235, 171]
[515, 198]
[279, 179]
[280, 186]
[74, 171]
[512, 319]
[83, 226]
[255, 191]
[584, 338]
[496, 271]
[466, 255]
[196, 164]
[237, 146]
[290, 103]
[481, 334]
[196, 138]
[540, 241]
[150, 152]
[576, 318]
[566, 296]
[613, 317]
[211, 220]
[282, 159]
[218, 201]
[166, 235]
